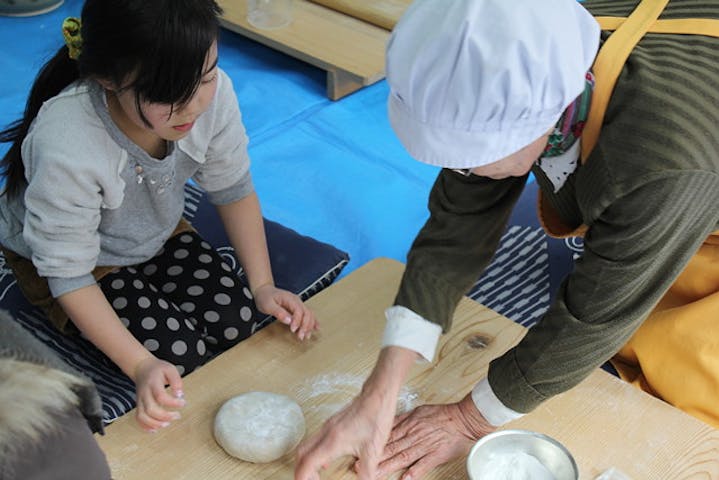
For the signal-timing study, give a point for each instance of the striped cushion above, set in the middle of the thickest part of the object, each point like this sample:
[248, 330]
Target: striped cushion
[528, 266]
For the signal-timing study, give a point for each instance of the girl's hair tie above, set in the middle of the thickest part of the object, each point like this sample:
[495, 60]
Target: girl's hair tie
[73, 37]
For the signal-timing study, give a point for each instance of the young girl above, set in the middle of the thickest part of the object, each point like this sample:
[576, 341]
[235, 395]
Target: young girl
[91, 223]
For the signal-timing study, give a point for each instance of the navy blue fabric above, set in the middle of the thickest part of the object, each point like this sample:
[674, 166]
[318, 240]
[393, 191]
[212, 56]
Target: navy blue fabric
[560, 252]
[529, 266]
[300, 263]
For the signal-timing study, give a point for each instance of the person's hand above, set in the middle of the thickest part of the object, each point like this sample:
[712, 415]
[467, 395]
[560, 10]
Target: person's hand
[360, 430]
[288, 308]
[156, 407]
[432, 435]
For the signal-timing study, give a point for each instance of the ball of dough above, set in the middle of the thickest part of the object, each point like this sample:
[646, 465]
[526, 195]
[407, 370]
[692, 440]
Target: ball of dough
[259, 427]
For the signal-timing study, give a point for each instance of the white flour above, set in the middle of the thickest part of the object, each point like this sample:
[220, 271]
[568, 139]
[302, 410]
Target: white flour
[333, 391]
[511, 466]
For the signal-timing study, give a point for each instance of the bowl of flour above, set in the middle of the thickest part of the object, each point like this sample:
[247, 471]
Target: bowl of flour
[520, 455]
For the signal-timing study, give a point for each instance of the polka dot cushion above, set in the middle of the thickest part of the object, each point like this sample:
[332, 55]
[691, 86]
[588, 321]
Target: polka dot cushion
[300, 264]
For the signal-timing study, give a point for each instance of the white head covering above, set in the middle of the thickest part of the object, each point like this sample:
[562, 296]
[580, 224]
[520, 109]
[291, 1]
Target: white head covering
[472, 81]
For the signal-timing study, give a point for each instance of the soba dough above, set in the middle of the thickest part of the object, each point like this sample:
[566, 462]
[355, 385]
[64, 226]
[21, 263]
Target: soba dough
[259, 427]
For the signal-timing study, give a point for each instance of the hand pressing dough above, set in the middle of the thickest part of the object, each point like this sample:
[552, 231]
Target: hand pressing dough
[259, 427]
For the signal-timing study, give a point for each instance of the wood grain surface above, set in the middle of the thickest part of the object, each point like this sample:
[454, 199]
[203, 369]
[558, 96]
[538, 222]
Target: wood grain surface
[383, 13]
[603, 421]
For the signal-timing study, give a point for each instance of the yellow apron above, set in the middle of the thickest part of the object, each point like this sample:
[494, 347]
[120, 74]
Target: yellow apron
[674, 355]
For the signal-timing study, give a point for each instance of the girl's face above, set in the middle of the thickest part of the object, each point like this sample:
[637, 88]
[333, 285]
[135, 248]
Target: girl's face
[167, 122]
[517, 164]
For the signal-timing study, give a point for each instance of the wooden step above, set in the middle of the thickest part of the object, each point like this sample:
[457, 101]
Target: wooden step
[349, 49]
[383, 13]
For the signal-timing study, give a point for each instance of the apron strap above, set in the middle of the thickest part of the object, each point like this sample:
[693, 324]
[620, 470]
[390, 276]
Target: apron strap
[683, 26]
[607, 66]
[609, 63]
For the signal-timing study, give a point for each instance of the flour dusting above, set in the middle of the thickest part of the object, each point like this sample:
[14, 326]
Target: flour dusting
[511, 466]
[333, 391]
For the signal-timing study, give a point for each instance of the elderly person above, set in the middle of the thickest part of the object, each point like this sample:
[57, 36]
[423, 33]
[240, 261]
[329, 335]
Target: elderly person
[491, 90]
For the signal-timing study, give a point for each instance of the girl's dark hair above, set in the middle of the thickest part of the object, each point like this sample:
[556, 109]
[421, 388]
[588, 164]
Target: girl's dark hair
[160, 45]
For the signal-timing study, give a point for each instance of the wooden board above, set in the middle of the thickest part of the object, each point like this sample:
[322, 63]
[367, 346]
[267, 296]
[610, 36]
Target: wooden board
[383, 13]
[349, 49]
[604, 422]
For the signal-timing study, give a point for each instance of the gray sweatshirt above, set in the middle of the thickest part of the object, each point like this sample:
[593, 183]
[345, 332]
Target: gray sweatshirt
[94, 198]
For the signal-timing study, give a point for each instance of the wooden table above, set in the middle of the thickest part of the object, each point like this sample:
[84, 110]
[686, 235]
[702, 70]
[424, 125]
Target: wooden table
[603, 421]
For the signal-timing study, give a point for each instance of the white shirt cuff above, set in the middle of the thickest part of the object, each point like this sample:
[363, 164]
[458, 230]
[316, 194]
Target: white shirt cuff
[491, 408]
[406, 329]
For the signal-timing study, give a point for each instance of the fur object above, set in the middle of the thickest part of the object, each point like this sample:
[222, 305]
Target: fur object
[31, 396]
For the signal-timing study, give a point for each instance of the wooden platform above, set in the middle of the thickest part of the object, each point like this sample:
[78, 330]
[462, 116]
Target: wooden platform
[603, 421]
[351, 50]
[383, 13]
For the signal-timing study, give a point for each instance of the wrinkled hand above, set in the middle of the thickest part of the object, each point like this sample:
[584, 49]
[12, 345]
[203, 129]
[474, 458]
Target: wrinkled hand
[432, 435]
[288, 308]
[360, 430]
[156, 407]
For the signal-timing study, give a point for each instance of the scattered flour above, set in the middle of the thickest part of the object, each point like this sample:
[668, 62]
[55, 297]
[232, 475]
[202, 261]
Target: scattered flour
[333, 391]
[511, 466]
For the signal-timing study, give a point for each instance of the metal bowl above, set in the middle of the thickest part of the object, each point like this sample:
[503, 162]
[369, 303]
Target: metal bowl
[504, 443]
[23, 8]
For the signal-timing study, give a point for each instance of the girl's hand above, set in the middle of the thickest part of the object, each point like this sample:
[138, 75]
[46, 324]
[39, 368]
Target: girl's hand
[287, 308]
[156, 407]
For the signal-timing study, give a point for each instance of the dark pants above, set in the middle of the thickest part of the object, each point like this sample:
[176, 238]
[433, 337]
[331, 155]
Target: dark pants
[184, 305]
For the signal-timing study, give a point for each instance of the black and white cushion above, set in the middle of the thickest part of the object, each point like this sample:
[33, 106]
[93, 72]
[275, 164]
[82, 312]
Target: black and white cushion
[527, 268]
